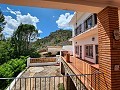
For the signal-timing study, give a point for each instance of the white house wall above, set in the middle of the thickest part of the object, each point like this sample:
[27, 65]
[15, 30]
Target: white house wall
[85, 41]
[80, 21]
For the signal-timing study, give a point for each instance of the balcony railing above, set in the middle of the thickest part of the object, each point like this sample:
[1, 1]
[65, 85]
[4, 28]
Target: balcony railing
[79, 82]
[93, 79]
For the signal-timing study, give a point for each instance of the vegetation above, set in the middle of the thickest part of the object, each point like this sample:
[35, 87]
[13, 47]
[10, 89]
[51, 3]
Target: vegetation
[61, 86]
[6, 51]
[19, 44]
[22, 38]
[2, 21]
[14, 51]
[57, 38]
[49, 54]
[11, 69]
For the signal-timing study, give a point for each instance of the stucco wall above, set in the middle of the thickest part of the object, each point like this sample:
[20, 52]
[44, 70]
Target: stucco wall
[84, 41]
[85, 38]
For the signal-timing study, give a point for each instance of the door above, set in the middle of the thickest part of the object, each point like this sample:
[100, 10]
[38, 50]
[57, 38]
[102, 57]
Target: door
[80, 51]
[96, 53]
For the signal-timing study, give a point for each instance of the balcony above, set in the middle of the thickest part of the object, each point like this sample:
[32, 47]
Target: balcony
[87, 33]
[78, 66]
[88, 24]
[82, 66]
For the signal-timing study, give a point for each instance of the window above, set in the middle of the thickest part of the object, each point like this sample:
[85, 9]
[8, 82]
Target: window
[89, 51]
[88, 23]
[95, 19]
[80, 51]
[77, 50]
[78, 30]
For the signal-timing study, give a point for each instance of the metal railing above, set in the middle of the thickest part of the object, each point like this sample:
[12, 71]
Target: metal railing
[79, 82]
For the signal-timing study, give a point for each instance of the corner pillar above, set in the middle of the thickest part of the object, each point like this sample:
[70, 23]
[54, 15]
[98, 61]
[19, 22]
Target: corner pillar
[109, 48]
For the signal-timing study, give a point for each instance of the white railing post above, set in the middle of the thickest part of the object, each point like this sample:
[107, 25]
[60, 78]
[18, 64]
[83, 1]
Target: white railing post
[28, 61]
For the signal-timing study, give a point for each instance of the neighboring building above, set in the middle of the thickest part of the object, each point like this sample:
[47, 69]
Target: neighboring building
[85, 36]
[54, 49]
[68, 48]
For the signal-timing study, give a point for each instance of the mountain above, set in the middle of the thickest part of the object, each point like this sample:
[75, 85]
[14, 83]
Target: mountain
[57, 38]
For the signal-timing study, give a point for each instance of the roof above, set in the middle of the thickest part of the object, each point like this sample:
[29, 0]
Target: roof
[75, 17]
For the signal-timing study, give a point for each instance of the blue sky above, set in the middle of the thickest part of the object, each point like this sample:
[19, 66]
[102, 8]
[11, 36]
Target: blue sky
[45, 20]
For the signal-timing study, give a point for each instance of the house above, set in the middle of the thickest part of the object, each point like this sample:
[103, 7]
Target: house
[86, 51]
[85, 36]
[54, 49]
[108, 12]
[68, 48]
[84, 48]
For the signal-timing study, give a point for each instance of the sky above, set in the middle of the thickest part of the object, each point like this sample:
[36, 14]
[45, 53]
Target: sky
[45, 20]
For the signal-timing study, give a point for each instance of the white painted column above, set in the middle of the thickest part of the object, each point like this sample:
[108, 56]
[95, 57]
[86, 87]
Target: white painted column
[73, 44]
[28, 61]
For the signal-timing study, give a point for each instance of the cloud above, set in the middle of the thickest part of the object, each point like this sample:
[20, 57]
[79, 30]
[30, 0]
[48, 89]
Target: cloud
[63, 21]
[27, 19]
[13, 12]
[12, 23]
[53, 16]
[10, 26]
[39, 31]
[38, 37]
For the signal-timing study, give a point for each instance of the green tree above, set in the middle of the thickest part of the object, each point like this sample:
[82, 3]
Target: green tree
[6, 51]
[2, 37]
[22, 38]
[2, 21]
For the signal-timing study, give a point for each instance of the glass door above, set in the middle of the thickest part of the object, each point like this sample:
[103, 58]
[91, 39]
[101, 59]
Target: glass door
[96, 53]
[80, 51]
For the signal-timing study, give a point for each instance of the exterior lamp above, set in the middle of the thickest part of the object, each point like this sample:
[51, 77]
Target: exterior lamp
[93, 38]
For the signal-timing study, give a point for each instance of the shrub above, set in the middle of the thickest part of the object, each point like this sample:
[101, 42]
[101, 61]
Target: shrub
[11, 69]
[49, 53]
[35, 55]
[61, 86]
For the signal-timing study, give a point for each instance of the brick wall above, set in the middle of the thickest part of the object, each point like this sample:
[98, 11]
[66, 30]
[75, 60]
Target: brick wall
[109, 48]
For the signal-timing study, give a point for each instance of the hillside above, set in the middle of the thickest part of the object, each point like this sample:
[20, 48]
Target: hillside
[59, 38]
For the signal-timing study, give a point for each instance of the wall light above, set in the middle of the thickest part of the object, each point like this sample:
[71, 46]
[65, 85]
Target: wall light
[93, 38]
